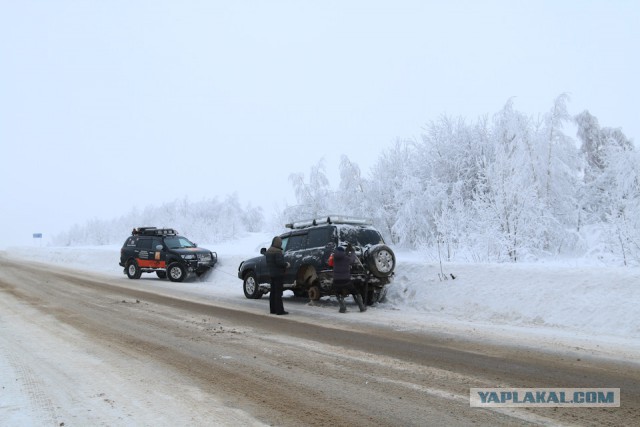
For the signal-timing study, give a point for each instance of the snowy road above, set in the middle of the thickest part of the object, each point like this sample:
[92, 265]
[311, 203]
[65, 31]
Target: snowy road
[85, 349]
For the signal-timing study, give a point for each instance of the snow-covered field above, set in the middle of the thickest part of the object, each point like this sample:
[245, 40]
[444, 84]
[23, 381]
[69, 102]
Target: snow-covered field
[561, 306]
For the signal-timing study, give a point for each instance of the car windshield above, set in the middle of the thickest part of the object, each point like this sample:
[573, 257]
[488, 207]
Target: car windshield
[178, 242]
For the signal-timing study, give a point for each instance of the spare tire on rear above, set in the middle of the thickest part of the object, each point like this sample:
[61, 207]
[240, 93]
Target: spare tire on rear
[381, 260]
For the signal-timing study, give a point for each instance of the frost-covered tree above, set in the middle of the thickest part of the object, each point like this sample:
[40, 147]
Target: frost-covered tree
[314, 196]
[448, 162]
[615, 195]
[556, 170]
[388, 177]
[412, 226]
[253, 218]
[506, 201]
[597, 145]
[351, 195]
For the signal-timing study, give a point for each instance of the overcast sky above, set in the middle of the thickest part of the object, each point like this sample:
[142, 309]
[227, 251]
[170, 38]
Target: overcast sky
[110, 105]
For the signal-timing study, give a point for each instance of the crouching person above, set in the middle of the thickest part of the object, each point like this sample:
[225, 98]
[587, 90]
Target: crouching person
[342, 284]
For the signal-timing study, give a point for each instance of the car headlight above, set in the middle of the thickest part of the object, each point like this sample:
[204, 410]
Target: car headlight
[204, 257]
[190, 256]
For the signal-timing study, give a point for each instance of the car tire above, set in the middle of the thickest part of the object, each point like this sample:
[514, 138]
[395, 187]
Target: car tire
[161, 274]
[381, 261]
[314, 293]
[176, 272]
[250, 286]
[375, 295]
[133, 270]
[372, 298]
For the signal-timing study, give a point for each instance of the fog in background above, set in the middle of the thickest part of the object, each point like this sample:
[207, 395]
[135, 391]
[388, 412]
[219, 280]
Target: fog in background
[110, 106]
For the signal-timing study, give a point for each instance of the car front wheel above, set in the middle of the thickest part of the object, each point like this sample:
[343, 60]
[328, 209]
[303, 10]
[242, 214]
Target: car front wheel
[251, 287]
[176, 272]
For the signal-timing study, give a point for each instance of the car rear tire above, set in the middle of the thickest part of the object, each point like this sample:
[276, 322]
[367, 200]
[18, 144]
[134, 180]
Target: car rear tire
[251, 287]
[381, 261]
[176, 272]
[375, 295]
[133, 270]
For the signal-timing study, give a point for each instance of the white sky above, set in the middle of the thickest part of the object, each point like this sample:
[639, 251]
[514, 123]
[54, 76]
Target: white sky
[234, 96]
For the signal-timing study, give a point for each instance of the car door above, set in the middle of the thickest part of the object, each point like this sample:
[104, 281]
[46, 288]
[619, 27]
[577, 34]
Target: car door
[143, 252]
[293, 254]
[317, 250]
[158, 253]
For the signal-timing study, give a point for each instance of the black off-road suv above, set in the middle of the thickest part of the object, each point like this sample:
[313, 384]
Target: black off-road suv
[163, 251]
[307, 248]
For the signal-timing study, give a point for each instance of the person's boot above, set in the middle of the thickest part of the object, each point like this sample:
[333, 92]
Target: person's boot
[343, 306]
[361, 305]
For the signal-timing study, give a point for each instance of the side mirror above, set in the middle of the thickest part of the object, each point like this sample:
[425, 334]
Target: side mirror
[263, 251]
[158, 247]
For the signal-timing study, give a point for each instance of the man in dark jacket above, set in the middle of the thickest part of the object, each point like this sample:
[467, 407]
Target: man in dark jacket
[342, 284]
[277, 266]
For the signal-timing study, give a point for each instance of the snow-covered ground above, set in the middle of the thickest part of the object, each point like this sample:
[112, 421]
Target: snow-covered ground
[565, 306]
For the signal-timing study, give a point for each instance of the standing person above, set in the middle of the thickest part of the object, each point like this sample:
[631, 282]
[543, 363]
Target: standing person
[342, 284]
[277, 266]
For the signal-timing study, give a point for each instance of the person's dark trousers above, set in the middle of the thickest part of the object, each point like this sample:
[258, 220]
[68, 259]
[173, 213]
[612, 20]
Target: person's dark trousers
[275, 298]
[342, 287]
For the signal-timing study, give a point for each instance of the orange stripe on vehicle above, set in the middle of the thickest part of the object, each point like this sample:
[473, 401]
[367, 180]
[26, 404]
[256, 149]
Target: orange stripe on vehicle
[149, 263]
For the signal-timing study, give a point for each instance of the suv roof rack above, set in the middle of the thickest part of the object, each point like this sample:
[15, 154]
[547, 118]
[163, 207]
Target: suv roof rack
[331, 219]
[153, 231]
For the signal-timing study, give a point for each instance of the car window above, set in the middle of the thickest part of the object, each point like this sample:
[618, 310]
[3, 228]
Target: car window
[144, 244]
[177, 242]
[296, 242]
[369, 237]
[156, 242]
[284, 242]
[360, 236]
[318, 237]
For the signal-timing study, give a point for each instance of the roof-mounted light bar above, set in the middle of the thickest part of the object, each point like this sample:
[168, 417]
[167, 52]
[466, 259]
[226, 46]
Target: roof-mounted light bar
[153, 231]
[332, 219]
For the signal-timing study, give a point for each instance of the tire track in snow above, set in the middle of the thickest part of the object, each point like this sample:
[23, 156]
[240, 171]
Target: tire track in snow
[17, 376]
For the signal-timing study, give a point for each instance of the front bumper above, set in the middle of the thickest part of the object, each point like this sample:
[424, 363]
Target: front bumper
[203, 262]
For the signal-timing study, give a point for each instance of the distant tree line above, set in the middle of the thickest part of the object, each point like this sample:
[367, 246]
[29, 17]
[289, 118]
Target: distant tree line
[208, 220]
[506, 188]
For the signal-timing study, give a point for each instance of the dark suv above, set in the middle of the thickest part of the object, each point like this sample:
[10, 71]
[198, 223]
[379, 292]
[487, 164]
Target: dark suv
[307, 248]
[163, 251]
